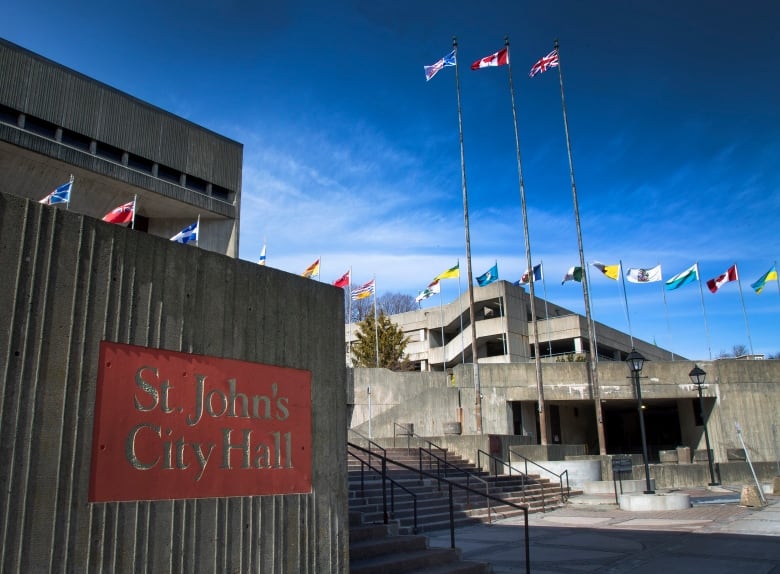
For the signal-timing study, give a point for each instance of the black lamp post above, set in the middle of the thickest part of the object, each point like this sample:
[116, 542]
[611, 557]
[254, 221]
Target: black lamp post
[635, 363]
[697, 376]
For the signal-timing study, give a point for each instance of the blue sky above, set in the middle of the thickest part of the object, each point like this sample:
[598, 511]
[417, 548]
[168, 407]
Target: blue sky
[351, 156]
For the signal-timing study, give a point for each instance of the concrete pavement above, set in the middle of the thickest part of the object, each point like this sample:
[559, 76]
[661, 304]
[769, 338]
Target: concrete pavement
[712, 536]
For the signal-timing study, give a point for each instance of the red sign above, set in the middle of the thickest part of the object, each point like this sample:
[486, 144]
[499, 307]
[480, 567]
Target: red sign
[173, 425]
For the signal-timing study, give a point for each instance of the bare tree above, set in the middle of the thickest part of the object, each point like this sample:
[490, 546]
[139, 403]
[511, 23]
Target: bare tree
[388, 303]
[738, 350]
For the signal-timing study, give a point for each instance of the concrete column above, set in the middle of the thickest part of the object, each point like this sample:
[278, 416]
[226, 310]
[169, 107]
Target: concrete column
[578, 344]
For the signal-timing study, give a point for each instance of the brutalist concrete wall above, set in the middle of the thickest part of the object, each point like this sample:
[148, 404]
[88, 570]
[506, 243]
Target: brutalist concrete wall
[69, 282]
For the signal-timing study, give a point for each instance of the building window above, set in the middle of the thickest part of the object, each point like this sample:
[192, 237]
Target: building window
[218, 192]
[8, 115]
[108, 152]
[76, 140]
[139, 164]
[40, 127]
[168, 174]
[196, 184]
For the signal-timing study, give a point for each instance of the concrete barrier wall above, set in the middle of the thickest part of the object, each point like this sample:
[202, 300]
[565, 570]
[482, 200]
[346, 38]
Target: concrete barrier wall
[68, 282]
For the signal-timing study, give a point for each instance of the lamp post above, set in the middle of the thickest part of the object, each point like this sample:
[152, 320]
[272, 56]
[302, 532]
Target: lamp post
[697, 376]
[635, 363]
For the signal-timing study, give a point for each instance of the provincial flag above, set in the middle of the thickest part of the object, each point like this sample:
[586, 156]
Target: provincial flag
[488, 276]
[60, 195]
[639, 275]
[122, 214]
[770, 275]
[431, 71]
[544, 64]
[429, 291]
[500, 58]
[261, 261]
[450, 273]
[365, 290]
[189, 233]
[611, 271]
[342, 281]
[573, 274]
[683, 278]
[729, 275]
[534, 274]
[313, 269]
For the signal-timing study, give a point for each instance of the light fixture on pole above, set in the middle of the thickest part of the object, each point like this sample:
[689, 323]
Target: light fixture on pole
[698, 376]
[635, 363]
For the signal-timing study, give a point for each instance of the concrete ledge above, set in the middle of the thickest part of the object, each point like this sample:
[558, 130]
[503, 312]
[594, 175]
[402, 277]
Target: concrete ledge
[608, 487]
[648, 502]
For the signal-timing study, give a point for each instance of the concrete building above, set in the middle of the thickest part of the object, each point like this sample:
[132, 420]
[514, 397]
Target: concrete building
[440, 337]
[56, 122]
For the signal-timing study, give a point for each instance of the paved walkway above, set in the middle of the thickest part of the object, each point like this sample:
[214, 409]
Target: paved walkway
[711, 537]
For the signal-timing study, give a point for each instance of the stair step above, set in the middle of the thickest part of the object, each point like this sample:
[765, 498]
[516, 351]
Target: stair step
[407, 562]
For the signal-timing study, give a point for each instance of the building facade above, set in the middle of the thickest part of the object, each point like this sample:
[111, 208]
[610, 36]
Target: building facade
[56, 123]
[440, 338]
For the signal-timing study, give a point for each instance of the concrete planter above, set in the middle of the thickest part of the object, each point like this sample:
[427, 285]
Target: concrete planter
[453, 428]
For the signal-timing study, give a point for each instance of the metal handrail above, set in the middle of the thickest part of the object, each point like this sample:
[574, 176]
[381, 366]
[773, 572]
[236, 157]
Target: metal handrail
[469, 475]
[451, 484]
[564, 497]
[370, 443]
[523, 477]
[385, 478]
[409, 433]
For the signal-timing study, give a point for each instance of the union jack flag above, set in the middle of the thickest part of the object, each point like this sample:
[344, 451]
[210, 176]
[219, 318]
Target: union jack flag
[448, 60]
[549, 61]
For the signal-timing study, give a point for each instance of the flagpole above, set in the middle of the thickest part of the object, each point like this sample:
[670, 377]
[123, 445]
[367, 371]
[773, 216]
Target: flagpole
[443, 353]
[349, 318]
[546, 310]
[704, 311]
[197, 235]
[777, 280]
[474, 352]
[70, 192]
[460, 311]
[668, 323]
[744, 311]
[591, 329]
[528, 259]
[376, 325]
[132, 222]
[625, 300]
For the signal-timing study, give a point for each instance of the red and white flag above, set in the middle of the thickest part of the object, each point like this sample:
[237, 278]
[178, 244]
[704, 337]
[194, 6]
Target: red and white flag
[722, 279]
[342, 281]
[122, 214]
[544, 64]
[500, 58]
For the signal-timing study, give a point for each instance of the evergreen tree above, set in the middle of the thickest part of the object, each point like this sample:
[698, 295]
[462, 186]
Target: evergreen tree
[392, 344]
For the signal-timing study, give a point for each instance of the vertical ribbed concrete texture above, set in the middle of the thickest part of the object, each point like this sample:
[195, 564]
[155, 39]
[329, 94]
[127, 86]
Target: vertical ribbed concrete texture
[68, 282]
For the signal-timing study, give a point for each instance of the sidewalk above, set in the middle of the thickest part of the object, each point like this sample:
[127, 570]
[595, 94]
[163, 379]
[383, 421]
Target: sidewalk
[712, 537]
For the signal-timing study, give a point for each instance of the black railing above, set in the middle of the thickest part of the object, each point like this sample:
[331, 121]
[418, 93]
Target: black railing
[451, 484]
[386, 513]
[408, 432]
[564, 493]
[442, 463]
[371, 444]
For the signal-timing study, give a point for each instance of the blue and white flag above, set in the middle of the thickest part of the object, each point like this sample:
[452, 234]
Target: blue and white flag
[59, 195]
[189, 233]
[683, 278]
[261, 261]
[432, 70]
[488, 276]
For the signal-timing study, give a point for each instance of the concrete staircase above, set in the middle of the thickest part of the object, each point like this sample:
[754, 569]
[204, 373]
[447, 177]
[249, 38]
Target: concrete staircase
[540, 494]
[397, 546]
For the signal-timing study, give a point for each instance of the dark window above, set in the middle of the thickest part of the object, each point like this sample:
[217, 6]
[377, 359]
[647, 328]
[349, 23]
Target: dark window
[220, 193]
[168, 174]
[40, 127]
[8, 115]
[196, 184]
[141, 223]
[73, 139]
[108, 152]
[139, 163]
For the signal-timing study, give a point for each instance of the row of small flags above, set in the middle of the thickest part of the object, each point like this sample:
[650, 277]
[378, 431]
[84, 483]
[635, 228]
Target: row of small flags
[120, 215]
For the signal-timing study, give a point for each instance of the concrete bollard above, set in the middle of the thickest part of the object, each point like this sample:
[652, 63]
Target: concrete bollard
[751, 497]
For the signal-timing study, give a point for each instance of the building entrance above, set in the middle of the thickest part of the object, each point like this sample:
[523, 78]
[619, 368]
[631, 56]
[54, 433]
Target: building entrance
[623, 436]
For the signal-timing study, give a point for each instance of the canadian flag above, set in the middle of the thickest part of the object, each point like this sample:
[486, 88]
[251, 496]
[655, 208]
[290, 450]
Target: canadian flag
[720, 280]
[500, 58]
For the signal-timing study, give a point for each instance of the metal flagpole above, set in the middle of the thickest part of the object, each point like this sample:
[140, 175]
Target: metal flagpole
[704, 311]
[474, 353]
[777, 280]
[349, 318]
[197, 234]
[591, 329]
[666, 312]
[744, 311]
[70, 192]
[625, 300]
[460, 311]
[528, 259]
[443, 345]
[135, 201]
[376, 324]
[546, 310]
